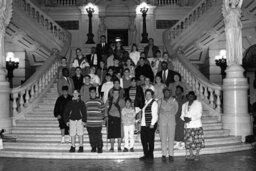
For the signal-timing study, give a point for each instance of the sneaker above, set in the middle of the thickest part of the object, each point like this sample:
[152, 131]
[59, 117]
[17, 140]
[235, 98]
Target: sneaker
[62, 140]
[119, 149]
[131, 150]
[171, 159]
[72, 149]
[111, 150]
[99, 149]
[164, 158]
[67, 139]
[125, 150]
[93, 149]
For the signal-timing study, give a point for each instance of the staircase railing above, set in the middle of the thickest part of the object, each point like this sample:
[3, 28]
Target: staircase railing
[26, 96]
[193, 16]
[208, 92]
[43, 19]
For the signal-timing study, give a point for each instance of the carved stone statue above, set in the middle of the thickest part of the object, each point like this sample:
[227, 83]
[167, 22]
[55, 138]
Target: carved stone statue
[233, 27]
[132, 30]
[5, 17]
[102, 28]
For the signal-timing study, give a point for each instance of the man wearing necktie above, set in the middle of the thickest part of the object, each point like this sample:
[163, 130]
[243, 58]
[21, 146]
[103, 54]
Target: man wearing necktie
[166, 74]
[93, 58]
[102, 49]
[65, 81]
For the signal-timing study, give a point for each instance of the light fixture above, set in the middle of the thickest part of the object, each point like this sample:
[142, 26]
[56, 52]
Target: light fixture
[11, 64]
[221, 61]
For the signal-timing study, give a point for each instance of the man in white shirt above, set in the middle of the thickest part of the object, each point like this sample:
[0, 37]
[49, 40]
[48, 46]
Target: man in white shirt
[148, 125]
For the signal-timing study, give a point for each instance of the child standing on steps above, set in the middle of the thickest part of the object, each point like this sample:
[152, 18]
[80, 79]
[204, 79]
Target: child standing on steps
[75, 117]
[59, 111]
[128, 120]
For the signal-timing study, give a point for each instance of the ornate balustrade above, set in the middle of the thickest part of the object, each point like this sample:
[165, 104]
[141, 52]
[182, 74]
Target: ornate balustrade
[195, 14]
[209, 93]
[42, 19]
[66, 2]
[167, 2]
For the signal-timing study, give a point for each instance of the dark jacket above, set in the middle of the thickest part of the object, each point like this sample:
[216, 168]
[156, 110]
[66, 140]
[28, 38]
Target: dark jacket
[89, 59]
[170, 76]
[154, 49]
[78, 82]
[102, 52]
[139, 100]
[144, 70]
[75, 110]
[60, 105]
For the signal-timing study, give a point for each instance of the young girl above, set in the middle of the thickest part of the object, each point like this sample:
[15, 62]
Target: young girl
[128, 120]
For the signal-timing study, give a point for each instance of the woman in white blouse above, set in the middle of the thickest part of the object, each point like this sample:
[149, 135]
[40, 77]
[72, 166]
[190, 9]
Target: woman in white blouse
[194, 136]
[134, 54]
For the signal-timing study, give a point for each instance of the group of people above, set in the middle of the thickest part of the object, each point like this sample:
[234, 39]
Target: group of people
[136, 92]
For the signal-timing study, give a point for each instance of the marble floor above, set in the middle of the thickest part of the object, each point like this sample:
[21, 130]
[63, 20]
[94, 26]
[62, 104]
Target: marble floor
[240, 161]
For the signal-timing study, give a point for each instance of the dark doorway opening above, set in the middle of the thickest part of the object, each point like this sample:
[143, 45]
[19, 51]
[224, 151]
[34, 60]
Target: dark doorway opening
[122, 33]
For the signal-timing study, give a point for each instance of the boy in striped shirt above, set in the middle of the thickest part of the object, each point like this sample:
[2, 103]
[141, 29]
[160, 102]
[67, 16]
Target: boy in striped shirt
[95, 113]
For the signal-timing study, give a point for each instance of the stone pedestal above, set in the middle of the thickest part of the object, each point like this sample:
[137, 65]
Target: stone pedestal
[235, 100]
[5, 119]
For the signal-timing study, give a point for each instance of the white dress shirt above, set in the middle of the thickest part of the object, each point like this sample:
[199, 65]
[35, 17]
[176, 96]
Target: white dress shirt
[154, 112]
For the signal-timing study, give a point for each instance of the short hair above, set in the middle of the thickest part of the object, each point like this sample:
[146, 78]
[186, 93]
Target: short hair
[191, 93]
[157, 51]
[165, 53]
[180, 87]
[103, 36]
[149, 90]
[108, 75]
[64, 58]
[150, 39]
[127, 69]
[65, 70]
[78, 68]
[142, 58]
[92, 67]
[164, 62]
[64, 88]
[166, 89]
[78, 49]
[116, 80]
[128, 100]
[133, 79]
[92, 89]
[88, 76]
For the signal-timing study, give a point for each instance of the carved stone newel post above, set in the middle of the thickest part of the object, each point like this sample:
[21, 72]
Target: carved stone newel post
[5, 17]
[235, 86]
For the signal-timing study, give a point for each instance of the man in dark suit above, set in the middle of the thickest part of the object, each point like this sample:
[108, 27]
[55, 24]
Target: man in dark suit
[150, 49]
[166, 74]
[102, 49]
[93, 58]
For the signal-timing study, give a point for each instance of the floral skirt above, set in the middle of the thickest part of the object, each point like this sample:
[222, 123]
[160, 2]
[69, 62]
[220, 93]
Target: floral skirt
[194, 138]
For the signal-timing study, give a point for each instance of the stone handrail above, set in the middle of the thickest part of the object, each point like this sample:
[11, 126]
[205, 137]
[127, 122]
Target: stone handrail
[166, 2]
[209, 93]
[42, 19]
[190, 18]
[66, 2]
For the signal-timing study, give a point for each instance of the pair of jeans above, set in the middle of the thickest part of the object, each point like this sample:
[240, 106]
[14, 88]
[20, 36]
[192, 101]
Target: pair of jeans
[95, 136]
[148, 140]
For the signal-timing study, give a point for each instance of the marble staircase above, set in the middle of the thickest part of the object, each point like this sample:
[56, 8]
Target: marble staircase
[38, 136]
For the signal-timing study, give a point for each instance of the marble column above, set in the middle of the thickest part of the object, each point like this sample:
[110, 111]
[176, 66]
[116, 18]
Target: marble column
[235, 86]
[5, 16]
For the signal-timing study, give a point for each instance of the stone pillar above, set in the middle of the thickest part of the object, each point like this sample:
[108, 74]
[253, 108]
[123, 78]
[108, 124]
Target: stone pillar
[5, 16]
[235, 103]
[235, 85]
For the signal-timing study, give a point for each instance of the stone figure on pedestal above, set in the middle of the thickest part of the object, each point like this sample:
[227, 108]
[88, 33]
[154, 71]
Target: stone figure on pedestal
[5, 17]
[233, 26]
[102, 28]
[132, 31]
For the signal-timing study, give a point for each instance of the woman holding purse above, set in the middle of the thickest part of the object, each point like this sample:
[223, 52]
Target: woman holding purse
[191, 114]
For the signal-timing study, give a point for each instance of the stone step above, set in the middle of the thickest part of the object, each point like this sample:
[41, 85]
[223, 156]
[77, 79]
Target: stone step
[207, 133]
[64, 154]
[47, 126]
[54, 124]
[56, 145]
